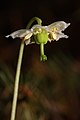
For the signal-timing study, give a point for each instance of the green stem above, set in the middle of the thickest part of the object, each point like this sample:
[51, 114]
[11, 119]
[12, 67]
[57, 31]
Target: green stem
[16, 84]
[39, 21]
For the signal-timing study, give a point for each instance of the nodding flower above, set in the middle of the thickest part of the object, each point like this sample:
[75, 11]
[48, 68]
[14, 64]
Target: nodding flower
[41, 34]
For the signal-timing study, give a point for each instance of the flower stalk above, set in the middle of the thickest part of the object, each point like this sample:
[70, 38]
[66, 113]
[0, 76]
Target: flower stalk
[16, 84]
[17, 76]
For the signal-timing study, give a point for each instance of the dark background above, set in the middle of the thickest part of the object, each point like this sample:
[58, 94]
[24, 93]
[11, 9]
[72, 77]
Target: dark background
[49, 90]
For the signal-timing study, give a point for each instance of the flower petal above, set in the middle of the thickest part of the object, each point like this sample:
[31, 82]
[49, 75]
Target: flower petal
[19, 33]
[27, 42]
[58, 26]
[55, 30]
[57, 36]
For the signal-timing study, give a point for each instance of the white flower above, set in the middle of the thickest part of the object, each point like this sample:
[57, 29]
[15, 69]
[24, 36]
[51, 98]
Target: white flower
[41, 35]
[53, 30]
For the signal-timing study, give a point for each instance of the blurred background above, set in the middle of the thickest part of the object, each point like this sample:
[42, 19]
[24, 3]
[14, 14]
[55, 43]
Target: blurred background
[49, 90]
